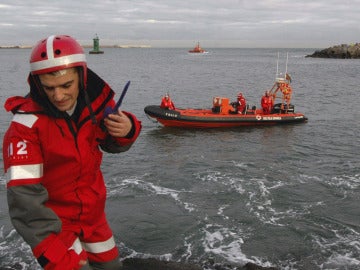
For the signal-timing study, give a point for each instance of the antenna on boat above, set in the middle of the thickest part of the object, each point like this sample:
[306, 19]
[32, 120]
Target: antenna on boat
[287, 58]
[277, 67]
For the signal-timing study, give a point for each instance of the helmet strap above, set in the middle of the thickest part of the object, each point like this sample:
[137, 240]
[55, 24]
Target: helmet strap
[88, 105]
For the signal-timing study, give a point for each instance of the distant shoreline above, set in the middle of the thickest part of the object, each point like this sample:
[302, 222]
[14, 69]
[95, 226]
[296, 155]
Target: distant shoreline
[15, 47]
[84, 46]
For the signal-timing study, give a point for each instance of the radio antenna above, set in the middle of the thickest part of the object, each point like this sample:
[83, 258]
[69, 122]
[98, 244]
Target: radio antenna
[277, 67]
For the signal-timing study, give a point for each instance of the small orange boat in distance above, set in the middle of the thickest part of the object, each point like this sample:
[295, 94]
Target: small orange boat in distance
[197, 49]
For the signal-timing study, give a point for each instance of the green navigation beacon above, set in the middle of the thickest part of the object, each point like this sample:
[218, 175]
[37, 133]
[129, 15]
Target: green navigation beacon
[96, 46]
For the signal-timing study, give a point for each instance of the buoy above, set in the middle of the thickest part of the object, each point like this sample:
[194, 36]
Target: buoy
[96, 46]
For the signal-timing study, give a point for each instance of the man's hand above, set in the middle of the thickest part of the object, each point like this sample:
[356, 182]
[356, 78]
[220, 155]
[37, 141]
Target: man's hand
[118, 125]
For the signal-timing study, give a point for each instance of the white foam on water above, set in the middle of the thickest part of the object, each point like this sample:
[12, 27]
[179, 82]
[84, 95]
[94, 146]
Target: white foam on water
[259, 193]
[224, 242]
[188, 253]
[210, 176]
[135, 254]
[236, 185]
[127, 252]
[342, 249]
[220, 211]
[240, 164]
[14, 251]
[173, 194]
[260, 203]
[303, 178]
[264, 204]
[347, 182]
[276, 185]
[226, 180]
[153, 189]
[343, 261]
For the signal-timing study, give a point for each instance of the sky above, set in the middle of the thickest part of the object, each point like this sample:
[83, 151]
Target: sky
[183, 23]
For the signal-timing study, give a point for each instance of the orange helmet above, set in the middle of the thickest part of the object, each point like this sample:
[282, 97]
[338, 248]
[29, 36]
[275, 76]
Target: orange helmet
[56, 53]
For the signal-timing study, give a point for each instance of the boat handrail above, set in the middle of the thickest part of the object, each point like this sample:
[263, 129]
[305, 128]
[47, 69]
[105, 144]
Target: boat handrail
[280, 80]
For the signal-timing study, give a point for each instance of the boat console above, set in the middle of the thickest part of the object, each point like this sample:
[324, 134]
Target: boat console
[221, 105]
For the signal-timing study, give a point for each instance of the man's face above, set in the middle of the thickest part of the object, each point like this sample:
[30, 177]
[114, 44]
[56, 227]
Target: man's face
[61, 88]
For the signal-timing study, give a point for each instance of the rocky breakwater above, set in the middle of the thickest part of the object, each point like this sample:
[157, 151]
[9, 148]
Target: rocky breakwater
[342, 51]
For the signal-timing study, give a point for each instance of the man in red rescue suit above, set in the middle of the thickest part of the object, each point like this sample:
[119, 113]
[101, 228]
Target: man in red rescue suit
[240, 103]
[55, 189]
[267, 103]
[167, 103]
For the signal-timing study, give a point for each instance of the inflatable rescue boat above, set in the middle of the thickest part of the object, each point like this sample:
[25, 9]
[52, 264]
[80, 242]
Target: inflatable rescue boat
[224, 114]
[208, 118]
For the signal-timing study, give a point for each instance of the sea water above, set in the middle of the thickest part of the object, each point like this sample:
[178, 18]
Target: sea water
[284, 196]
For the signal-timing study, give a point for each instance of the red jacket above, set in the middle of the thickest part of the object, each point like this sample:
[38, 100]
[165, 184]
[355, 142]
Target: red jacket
[241, 104]
[53, 163]
[167, 104]
[267, 104]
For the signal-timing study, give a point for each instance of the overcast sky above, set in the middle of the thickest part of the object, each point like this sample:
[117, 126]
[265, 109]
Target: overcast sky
[181, 23]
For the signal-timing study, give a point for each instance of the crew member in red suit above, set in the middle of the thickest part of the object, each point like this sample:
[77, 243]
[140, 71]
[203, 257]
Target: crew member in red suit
[166, 103]
[267, 103]
[240, 103]
[55, 189]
